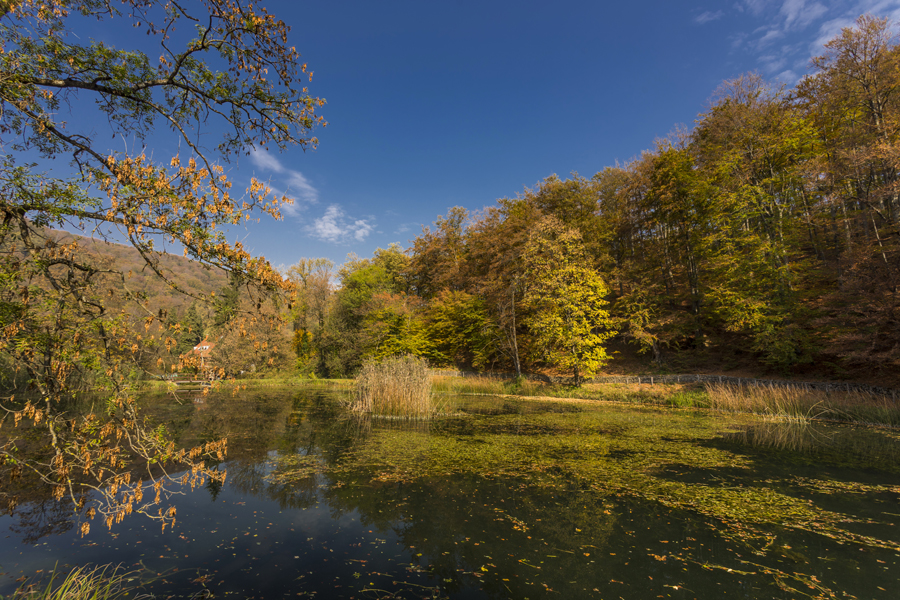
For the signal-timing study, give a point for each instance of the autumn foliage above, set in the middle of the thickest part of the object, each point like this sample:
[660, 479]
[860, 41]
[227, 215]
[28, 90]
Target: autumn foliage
[69, 319]
[769, 233]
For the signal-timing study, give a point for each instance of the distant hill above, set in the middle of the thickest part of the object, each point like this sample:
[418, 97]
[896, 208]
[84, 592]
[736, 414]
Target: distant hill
[188, 274]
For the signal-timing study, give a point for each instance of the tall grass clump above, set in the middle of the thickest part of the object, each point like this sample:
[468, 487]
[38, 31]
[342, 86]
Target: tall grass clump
[395, 387]
[106, 582]
[795, 403]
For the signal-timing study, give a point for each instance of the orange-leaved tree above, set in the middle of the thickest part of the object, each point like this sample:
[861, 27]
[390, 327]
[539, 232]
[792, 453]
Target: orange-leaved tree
[69, 321]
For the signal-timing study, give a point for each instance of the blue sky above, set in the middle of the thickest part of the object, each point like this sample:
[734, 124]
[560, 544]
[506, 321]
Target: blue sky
[444, 103]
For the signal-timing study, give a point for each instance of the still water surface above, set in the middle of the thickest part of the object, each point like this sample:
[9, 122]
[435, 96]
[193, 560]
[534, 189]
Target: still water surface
[502, 499]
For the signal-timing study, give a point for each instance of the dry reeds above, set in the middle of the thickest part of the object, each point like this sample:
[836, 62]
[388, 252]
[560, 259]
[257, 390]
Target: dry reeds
[798, 404]
[395, 387]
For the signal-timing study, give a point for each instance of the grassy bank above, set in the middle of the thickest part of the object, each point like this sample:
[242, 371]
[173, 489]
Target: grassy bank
[776, 402]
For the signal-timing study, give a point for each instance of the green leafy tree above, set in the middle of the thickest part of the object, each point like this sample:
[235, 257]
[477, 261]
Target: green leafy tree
[313, 280]
[66, 318]
[343, 340]
[753, 145]
[394, 325]
[461, 330]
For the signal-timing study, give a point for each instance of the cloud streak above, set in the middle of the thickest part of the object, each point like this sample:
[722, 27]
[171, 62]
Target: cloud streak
[293, 183]
[336, 227]
[706, 17]
[785, 34]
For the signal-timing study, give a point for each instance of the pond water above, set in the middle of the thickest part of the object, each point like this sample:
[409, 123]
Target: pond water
[502, 499]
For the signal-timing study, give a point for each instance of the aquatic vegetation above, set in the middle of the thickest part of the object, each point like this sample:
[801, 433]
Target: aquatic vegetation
[395, 387]
[105, 582]
[677, 395]
[612, 453]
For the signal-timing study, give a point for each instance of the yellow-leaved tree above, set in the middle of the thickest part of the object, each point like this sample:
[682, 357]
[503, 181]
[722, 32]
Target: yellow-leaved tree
[565, 302]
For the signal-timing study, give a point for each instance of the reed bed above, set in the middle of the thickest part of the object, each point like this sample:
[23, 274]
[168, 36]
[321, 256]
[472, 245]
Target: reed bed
[794, 403]
[678, 395]
[105, 582]
[491, 386]
[395, 387]
[468, 385]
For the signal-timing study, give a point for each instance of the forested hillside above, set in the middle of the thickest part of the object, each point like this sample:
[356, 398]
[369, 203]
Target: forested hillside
[186, 273]
[768, 232]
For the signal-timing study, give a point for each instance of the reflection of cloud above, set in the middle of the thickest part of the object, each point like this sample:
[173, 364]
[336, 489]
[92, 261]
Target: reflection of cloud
[297, 186]
[708, 16]
[335, 227]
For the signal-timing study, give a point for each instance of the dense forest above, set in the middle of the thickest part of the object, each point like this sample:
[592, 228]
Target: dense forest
[768, 232]
[766, 237]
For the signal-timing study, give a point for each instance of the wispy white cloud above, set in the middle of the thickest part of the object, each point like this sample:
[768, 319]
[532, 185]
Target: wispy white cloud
[785, 34]
[336, 227]
[831, 28]
[265, 161]
[406, 228]
[799, 14]
[755, 7]
[708, 16]
[787, 77]
[290, 182]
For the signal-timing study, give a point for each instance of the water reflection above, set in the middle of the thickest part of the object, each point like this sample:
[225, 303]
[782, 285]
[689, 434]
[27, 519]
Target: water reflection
[841, 444]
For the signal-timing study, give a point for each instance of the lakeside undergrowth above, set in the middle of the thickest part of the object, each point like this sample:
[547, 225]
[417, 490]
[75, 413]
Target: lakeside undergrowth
[780, 403]
[798, 404]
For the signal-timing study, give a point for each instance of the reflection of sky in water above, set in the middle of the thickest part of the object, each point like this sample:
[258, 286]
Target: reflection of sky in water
[622, 503]
[245, 543]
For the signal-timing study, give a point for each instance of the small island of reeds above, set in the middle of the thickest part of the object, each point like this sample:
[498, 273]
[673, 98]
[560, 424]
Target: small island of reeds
[398, 387]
